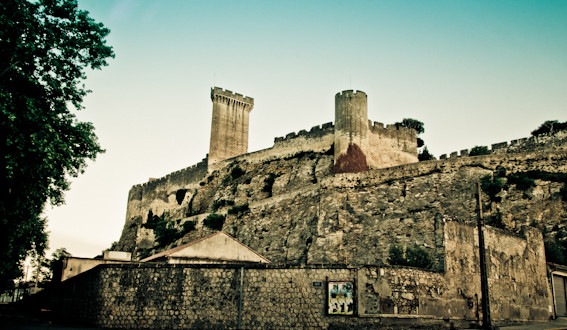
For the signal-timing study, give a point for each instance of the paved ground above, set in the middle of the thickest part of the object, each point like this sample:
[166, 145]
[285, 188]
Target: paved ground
[11, 319]
[558, 324]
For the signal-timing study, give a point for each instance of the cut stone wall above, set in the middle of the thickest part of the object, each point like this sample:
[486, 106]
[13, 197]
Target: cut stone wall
[556, 141]
[229, 127]
[275, 296]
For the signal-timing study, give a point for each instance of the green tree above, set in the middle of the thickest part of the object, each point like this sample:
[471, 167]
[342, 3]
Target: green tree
[549, 126]
[56, 262]
[412, 123]
[479, 150]
[45, 48]
[419, 127]
[425, 155]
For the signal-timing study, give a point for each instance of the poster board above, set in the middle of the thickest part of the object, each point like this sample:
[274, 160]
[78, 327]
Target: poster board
[340, 299]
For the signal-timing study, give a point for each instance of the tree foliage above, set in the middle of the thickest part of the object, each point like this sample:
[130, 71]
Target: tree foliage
[412, 123]
[419, 127]
[425, 155]
[479, 150]
[45, 47]
[415, 256]
[549, 126]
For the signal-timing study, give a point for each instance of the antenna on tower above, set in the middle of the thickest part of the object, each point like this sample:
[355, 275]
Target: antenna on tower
[214, 79]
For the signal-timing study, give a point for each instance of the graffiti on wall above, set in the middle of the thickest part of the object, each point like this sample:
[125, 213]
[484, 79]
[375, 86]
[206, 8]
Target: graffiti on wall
[340, 300]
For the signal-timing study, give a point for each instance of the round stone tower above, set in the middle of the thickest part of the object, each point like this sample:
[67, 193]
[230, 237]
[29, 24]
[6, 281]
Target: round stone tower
[351, 131]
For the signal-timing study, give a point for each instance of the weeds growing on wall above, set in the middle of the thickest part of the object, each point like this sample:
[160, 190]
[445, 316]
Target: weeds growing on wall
[236, 172]
[521, 180]
[165, 230]
[220, 203]
[495, 220]
[214, 221]
[492, 186]
[414, 256]
[238, 209]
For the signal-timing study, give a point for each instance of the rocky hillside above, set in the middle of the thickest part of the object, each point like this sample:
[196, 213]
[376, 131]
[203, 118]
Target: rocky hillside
[294, 210]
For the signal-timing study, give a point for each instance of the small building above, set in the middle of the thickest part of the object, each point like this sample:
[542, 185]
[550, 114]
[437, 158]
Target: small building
[559, 287]
[217, 248]
[73, 266]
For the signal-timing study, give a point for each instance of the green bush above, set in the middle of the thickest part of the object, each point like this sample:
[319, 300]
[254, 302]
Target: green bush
[547, 176]
[495, 220]
[164, 229]
[491, 186]
[418, 256]
[415, 256]
[188, 226]
[214, 221]
[236, 172]
[501, 172]
[425, 155]
[238, 209]
[479, 150]
[396, 256]
[217, 204]
[521, 180]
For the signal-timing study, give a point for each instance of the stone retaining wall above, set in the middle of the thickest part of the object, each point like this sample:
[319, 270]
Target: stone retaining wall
[164, 296]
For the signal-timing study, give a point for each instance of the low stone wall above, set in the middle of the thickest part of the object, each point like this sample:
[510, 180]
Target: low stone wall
[159, 296]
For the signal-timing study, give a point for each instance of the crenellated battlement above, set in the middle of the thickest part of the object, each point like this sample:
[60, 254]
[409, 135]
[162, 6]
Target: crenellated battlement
[351, 94]
[543, 142]
[225, 96]
[376, 127]
[184, 176]
[314, 132]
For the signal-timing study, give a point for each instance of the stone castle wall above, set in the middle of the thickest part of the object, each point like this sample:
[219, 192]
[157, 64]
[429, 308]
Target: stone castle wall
[158, 195]
[540, 143]
[390, 146]
[191, 296]
[310, 216]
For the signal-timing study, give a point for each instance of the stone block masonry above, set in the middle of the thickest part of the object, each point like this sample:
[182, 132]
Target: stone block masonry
[165, 296]
[229, 128]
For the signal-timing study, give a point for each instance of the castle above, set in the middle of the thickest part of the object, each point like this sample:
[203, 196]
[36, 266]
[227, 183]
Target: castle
[359, 144]
[331, 203]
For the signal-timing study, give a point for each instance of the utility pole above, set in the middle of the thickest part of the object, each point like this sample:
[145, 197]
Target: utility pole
[485, 297]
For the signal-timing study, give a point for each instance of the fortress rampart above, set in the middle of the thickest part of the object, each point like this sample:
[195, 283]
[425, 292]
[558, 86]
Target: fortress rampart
[540, 143]
[220, 95]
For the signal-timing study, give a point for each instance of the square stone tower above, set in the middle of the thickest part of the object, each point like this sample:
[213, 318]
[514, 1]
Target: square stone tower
[229, 128]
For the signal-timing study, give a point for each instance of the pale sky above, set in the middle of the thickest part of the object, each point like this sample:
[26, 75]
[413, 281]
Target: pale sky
[475, 72]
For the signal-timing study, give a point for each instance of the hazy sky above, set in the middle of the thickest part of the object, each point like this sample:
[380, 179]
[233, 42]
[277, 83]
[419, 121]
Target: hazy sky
[475, 72]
